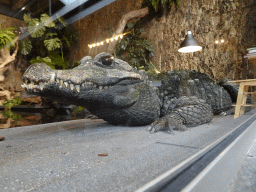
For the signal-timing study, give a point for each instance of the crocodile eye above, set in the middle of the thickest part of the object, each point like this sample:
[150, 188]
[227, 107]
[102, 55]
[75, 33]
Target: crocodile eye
[107, 60]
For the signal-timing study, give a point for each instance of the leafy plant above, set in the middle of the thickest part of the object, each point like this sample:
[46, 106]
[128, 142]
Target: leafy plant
[12, 102]
[25, 46]
[48, 36]
[136, 50]
[7, 37]
[53, 60]
[13, 116]
[78, 109]
[164, 3]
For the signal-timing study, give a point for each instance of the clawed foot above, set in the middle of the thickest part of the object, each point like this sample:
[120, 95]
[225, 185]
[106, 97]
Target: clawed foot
[223, 113]
[153, 129]
[168, 123]
[161, 124]
[157, 125]
[181, 128]
[228, 112]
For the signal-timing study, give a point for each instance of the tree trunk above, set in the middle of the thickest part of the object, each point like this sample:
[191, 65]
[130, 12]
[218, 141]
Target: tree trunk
[6, 57]
[122, 24]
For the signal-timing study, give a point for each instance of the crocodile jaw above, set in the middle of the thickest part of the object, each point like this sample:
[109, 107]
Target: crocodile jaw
[85, 83]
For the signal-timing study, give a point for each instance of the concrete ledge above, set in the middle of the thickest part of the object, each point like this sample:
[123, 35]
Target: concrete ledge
[64, 156]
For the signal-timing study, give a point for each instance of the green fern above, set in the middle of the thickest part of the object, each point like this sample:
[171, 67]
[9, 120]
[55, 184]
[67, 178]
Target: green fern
[7, 37]
[12, 102]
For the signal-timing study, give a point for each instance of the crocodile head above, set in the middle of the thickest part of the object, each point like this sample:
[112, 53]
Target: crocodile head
[108, 87]
[104, 79]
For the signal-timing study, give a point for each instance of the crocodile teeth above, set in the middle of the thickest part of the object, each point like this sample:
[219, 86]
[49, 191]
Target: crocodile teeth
[89, 83]
[24, 85]
[41, 86]
[57, 80]
[66, 84]
[71, 87]
[83, 84]
[30, 86]
[106, 87]
[136, 76]
[61, 83]
[95, 86]
[77, 88]
[52, 79]
[100, 87]
[26, 81]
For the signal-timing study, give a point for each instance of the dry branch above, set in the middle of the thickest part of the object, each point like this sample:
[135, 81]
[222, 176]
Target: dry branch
[6, 56]
[122, 24]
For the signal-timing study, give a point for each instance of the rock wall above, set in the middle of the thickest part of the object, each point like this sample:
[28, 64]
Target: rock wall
[99, 26]
[210, 20]
[7, 22]
[14, 71]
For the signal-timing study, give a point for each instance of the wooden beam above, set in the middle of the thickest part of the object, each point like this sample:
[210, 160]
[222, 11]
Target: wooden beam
[41, 7]
[18, 4]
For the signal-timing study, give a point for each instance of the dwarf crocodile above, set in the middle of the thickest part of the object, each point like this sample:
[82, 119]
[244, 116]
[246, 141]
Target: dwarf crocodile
[112, 90]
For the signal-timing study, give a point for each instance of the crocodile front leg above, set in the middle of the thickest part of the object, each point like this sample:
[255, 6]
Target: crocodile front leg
[182, 112]
[169, 122]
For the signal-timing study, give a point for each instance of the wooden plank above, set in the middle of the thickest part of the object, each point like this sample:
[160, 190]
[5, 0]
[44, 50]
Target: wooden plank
[251, 57]
[245, 80]
[247, 105]
[244, 98]
[250, 93]
[239, 100]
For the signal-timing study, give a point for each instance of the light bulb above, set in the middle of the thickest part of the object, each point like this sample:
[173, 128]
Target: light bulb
[216, 42]
[94, 45]
[121, 36]
[101, 42]
[190, 49]
[222, 40]
[107, 40]
[112, 39]
[98, 44]
[116, 37]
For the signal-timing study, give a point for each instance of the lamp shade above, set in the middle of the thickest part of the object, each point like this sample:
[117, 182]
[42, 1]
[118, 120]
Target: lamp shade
[190, 44]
